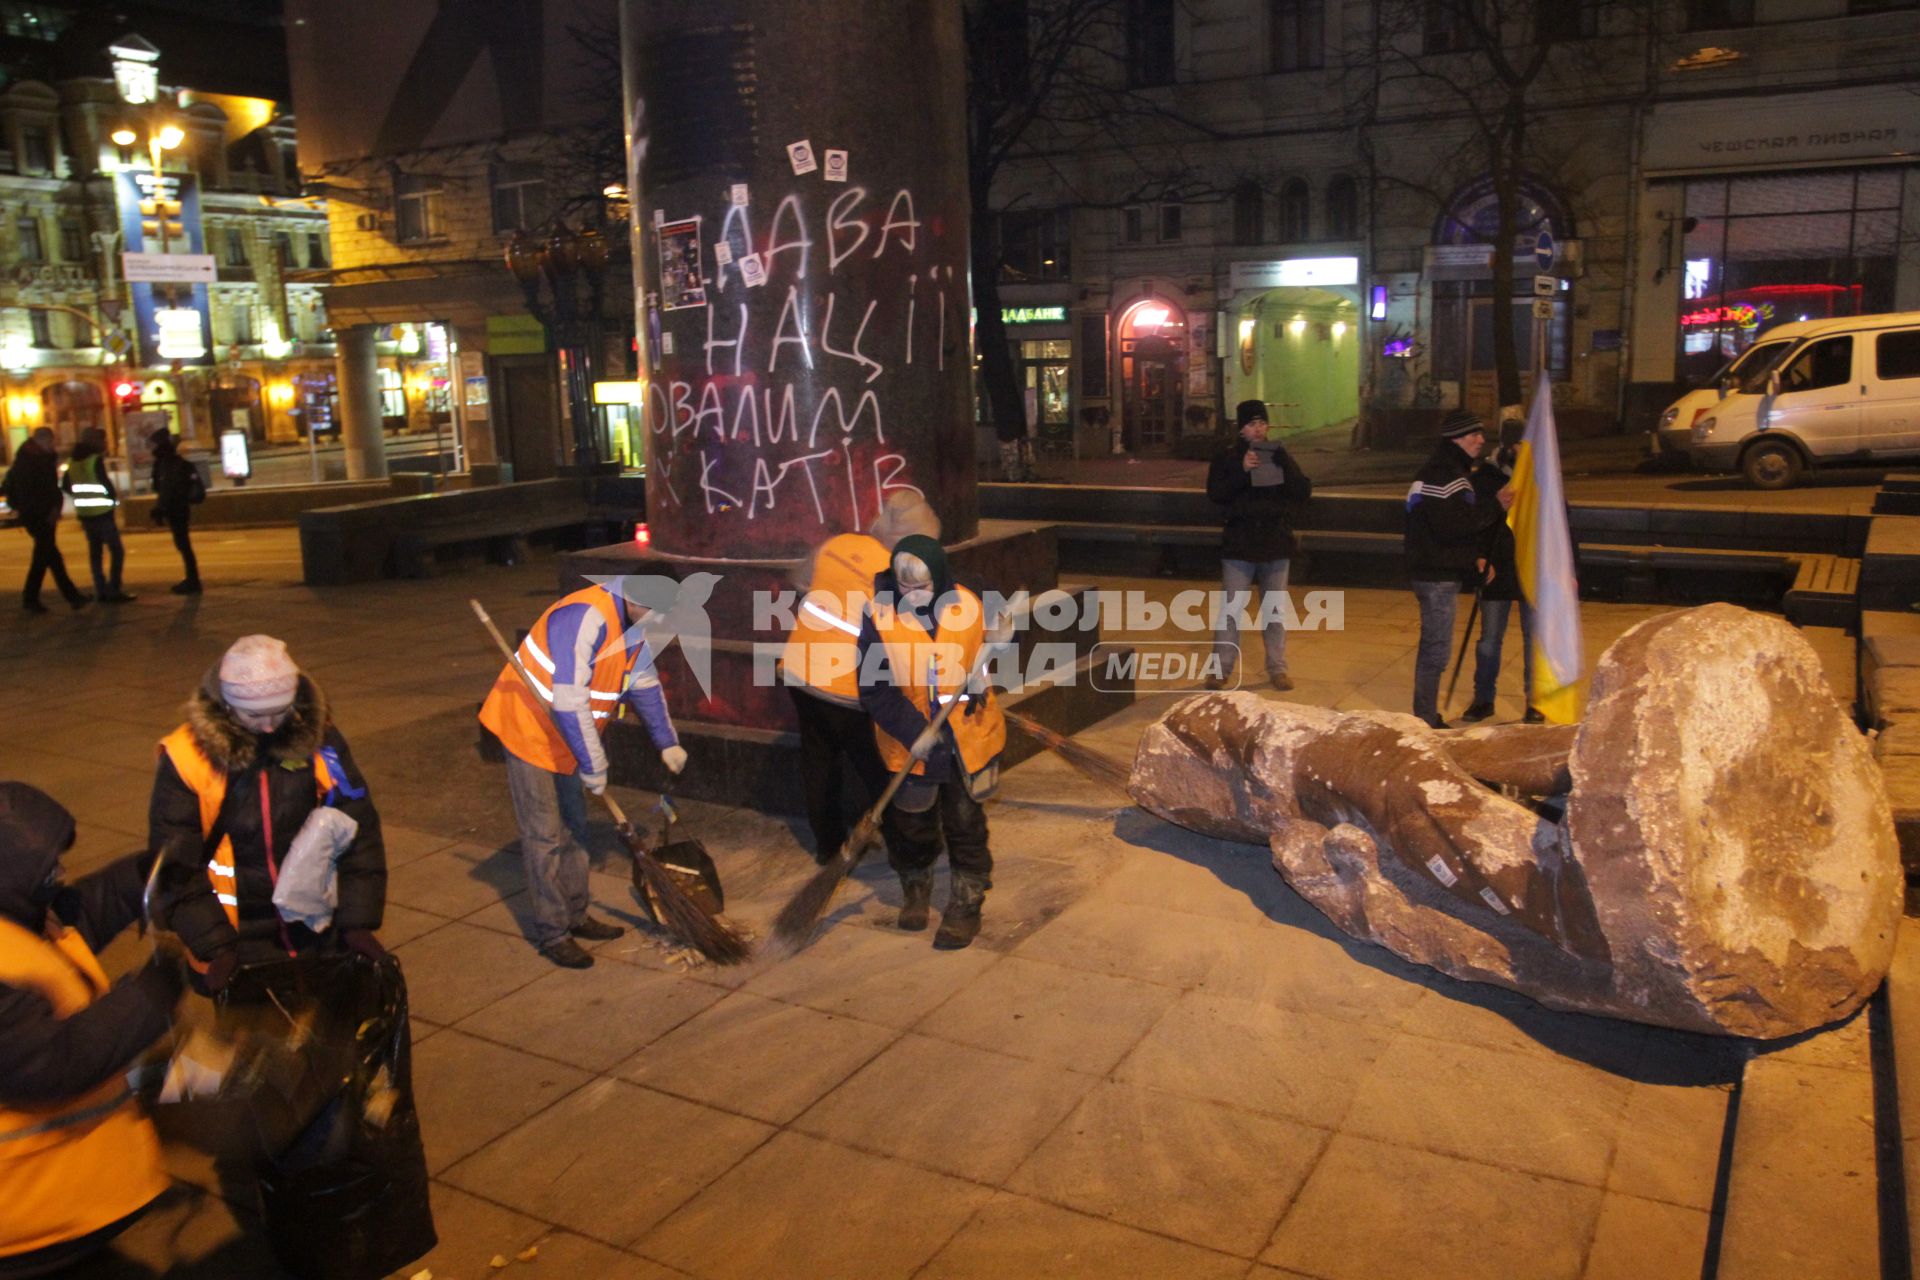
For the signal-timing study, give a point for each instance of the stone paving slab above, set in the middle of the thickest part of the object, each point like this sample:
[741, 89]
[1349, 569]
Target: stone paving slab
[1158, 1061]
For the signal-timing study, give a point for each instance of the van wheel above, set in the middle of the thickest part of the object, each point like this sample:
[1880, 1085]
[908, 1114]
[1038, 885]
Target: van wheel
[1774, 464]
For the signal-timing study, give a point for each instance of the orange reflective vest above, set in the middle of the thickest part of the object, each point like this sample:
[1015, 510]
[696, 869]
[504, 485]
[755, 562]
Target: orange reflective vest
[71, 1167]
[523, 721]
[210, 786]
[823, 649]
[930, 670]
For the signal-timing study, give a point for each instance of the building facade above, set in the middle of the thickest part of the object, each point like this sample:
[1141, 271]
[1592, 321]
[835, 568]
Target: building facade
[1691, 171]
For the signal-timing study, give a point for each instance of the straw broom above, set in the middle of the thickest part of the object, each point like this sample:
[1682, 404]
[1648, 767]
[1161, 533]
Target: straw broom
[1089, 763]
[679, 913]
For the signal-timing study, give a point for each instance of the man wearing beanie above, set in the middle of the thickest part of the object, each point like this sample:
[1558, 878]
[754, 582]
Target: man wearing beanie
[257, 756]
[1261, 488]
[820, 661]
[1446, 524]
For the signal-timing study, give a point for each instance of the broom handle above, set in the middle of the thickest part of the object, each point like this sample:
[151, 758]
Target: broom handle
[513, 657]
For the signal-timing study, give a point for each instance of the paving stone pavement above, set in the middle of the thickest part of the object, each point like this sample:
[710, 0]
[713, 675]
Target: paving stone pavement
[1157, 1061]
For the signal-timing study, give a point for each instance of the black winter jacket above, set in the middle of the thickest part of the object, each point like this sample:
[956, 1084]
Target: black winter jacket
[173, 483]
[44, 1058]
[1259, 518]
[32, 486]
[1446, 520]
[281, 763]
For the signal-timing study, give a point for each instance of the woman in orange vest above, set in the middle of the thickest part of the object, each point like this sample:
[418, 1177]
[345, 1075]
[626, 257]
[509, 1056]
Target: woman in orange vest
[259, 753]
[78, 1159]
[820, 665]
[918, 645]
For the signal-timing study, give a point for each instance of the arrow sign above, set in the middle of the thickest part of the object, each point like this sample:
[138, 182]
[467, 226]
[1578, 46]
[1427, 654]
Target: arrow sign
[1544, 250]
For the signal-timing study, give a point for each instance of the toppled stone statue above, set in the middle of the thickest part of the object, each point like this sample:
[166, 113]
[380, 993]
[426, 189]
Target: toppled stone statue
[1711, 849]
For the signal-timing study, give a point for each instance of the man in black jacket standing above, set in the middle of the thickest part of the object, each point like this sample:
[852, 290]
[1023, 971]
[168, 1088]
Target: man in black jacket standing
[32, 489]
[176, 488]
[1446, 528]
[1260, 486]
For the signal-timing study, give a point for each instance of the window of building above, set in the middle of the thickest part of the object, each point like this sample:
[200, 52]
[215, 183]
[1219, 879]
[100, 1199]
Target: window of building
[36, 149]
[519, 197]
[1897, 355]
[1149, 43]
[283, 250]
[73, 241]
[1295, 212]
[316, 249]
[1249, 214]
[1565, 20]
[1132, 225]
[41, 325]
[1449, 26]
[1708, 15]
[1343, 208]
[240, 321]
[1767, 249]
[1034, 244]
[393, 400]
[1298, 34]
[416, 208]
[32, 247]
[236, 247]
[1171, 218]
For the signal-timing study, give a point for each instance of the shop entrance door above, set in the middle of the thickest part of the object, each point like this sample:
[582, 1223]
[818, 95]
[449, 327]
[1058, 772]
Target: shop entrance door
[1156, 393]
[530, 412]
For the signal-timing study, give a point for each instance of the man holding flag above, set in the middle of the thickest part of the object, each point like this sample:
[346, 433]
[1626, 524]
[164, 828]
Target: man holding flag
[1543, 552]
[1445, 526]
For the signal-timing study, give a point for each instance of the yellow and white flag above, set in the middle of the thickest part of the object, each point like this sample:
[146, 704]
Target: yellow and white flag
[1543, 552]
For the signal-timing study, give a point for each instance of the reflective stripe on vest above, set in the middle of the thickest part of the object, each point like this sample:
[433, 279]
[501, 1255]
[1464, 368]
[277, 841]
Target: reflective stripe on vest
[930, 671]
[822, 649]
[209, 786]
[91, 497]
[523, 719]
[72, 1166]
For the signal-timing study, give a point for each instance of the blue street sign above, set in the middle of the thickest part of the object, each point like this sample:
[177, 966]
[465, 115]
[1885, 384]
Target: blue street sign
[1544, 250]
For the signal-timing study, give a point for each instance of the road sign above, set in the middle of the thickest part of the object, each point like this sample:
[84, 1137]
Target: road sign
[117, 343]
[1543, 308]
[169, 268]
[1544, 250]
[1545, 286]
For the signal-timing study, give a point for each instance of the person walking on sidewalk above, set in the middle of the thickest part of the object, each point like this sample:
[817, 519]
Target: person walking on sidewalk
[258, 762]
[1261, 487]
[588, 654]
[79, 1160]
[96, 501]
[177, 489]
[32, 489]
[1499, 591]
[820, 666]
[1446, 525]
[918, 644]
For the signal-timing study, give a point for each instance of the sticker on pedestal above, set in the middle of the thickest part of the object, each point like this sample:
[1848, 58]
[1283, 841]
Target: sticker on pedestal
[753, 271]
[800, 156]
[681, 281]
[836, 167]
[722, 252]
[738, 194]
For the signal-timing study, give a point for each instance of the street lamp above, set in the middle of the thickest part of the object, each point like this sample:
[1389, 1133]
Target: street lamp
[564, 262]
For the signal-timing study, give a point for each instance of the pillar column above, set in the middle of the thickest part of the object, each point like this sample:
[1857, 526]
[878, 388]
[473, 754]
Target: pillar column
[358, 367]
[800, 247]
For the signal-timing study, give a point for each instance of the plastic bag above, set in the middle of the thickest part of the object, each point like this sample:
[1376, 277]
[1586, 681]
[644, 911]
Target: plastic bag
[345, 1198]
[308, 887]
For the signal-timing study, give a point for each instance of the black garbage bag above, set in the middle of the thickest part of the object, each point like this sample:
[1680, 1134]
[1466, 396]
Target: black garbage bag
[345, 1195]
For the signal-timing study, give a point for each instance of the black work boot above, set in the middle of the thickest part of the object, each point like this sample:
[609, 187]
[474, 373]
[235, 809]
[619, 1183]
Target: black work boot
[916, 899]
[960, 922]
[595, 930]
[568, 954]
[1477, 712]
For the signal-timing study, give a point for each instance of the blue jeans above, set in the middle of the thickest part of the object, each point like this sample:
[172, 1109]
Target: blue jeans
[1486, 654]
[103, 536]
[551, 809]
[1437, 603]
[1238, 577]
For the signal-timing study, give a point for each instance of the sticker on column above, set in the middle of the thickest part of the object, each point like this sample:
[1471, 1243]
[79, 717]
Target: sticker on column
[659, 216]
[681, 282]
[1492, 899]
[738, 194]
[722, 252]
[800, 156]
[753, 271]
[836, 167]
[1441, 871]
[666, 344]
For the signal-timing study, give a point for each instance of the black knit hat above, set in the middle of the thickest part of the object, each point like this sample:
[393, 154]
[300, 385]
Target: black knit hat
[1249, 411]
[1461, 422]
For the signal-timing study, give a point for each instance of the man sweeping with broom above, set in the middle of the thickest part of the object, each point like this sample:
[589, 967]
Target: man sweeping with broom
[583, 658]
[918, 645]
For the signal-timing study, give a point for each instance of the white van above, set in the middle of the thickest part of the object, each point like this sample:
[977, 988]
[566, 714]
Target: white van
[1671, 438]
[1845, 390]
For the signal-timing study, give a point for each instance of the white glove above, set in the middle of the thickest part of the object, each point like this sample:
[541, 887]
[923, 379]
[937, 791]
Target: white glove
[594, 782]
[675, 758]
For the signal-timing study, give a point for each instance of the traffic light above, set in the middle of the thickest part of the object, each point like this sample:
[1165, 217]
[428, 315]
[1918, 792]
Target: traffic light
[128, 394]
